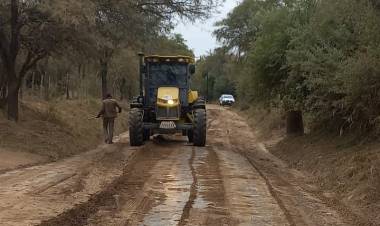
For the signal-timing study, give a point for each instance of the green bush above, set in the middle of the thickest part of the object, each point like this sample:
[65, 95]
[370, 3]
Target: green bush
[321, 57]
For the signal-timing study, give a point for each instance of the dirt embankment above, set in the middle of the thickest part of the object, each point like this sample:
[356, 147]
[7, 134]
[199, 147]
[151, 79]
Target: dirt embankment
[49, 131]
[348, 173]
[344, 170]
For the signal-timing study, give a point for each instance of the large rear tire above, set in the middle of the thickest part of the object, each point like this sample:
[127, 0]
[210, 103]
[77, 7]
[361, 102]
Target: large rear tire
[200, 128]
[136, 137]
[190, 136]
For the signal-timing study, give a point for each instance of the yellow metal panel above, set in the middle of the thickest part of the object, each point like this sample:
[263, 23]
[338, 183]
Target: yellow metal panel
[192, 96]
[168, 97]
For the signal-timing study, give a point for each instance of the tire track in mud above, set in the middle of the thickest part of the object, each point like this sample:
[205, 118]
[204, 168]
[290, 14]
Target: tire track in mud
[278, 184]
[300, 205]
[193, 192]
[247, 192]
[273, 192]
[193, 189]
[212, 204]
[259, 190]
[271, 189]
[194, 184]
[80, 214]
[206, 204]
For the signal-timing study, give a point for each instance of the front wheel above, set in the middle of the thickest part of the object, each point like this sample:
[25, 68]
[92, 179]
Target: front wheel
[136, 132]
[200, 128]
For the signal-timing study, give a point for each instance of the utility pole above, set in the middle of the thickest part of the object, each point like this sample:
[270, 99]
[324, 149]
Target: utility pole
[142, 73]
[205, 75]
[207, 88]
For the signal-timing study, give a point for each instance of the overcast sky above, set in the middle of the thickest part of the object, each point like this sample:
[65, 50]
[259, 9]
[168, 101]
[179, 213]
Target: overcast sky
[199, 36]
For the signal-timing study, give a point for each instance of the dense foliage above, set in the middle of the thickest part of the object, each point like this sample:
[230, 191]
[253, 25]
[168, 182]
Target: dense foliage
[209, 70]
[320, 57]
[77, 49]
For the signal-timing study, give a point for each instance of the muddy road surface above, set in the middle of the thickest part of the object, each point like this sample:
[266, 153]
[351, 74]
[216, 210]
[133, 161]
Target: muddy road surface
[234, 180]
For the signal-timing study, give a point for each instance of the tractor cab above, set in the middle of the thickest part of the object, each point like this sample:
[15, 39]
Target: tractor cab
[166, 103]
[167, 78]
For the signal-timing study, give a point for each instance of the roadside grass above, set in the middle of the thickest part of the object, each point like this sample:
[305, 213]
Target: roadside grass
[56, 129]
[265, 122]
[349, 173]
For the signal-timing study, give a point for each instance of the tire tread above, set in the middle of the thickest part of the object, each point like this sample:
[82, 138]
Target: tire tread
[136, 127]
[200, 128]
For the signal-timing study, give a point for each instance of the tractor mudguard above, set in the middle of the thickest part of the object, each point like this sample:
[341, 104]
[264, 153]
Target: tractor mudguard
[199, 104]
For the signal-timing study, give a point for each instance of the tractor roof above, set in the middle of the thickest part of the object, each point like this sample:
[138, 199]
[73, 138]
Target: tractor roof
[179, 58]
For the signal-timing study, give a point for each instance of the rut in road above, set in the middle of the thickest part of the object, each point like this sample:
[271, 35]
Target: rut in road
[301, 202]
[170, 182]
[193, 192]
[129, 184]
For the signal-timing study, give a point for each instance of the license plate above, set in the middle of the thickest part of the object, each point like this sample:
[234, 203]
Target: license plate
[168, 125]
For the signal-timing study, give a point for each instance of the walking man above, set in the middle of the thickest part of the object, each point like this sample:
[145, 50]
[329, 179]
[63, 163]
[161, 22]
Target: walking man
[109, 113]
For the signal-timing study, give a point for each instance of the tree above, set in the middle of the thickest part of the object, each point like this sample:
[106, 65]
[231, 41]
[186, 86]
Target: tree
[214, 75]
[83, 32]
[262, 44]
[173, 44]
[240, 29]
[122, 22]
[319, 58]
[28, 33]
[9, 48]
[3, 85]
[334, 63]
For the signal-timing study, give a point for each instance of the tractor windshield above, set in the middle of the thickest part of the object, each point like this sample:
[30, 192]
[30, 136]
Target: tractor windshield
[168, 74]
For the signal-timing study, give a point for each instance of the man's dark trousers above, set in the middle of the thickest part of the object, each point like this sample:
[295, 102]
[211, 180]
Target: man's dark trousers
[108, 126]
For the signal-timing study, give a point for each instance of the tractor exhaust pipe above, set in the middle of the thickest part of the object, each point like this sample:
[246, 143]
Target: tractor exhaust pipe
[142, 72]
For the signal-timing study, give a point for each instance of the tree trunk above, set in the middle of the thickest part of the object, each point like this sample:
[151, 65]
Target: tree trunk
[123, 85]
[47, 87]
[3, 96]
[85, 82]
[80, 83]
[67, 86]
[33, 81]
[294, 123]
[42, 82]
[103, 74]
[12, 100]
[21, 89]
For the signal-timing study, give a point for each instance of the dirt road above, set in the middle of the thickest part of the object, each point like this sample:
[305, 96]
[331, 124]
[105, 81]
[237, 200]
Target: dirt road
[232, 181]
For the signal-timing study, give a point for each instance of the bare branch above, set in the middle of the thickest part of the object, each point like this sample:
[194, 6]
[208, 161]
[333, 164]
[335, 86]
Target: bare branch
[30, 62]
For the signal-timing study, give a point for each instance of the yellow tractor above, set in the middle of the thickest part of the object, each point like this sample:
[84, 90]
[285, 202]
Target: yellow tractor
[166, 104]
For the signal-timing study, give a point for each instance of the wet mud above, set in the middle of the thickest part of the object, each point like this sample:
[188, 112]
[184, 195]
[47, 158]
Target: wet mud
[231, 181]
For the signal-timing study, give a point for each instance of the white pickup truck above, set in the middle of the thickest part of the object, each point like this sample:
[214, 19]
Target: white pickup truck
[226, 99]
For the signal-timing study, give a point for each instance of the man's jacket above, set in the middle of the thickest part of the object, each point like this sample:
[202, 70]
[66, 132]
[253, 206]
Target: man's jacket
[109, 109]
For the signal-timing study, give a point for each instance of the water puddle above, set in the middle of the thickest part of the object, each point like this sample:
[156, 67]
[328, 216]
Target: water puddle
[175, 188]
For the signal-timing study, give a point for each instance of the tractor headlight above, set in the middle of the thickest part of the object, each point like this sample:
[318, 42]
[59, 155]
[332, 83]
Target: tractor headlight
[167, 101]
